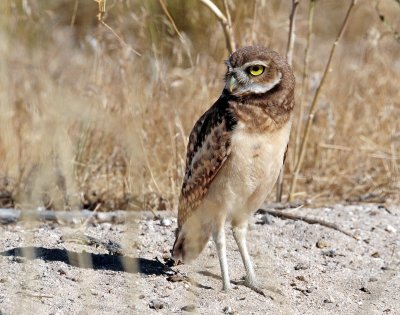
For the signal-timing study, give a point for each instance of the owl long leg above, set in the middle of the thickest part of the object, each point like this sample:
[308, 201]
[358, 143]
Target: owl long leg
[239, 233]
[220, 242]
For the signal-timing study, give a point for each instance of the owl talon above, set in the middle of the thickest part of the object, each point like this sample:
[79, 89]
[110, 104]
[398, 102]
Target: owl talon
[255, 287]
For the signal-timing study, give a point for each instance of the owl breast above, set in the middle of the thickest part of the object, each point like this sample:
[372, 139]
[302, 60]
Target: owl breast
[251, 170]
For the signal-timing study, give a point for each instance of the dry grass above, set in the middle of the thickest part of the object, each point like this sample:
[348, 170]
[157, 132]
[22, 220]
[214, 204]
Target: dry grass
[86, 121]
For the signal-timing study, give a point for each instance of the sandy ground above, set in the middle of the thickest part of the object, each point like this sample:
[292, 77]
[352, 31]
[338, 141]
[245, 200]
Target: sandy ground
[305, 269]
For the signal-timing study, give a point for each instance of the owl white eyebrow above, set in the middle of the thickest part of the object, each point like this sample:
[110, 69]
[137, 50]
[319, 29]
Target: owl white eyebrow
[254, 63]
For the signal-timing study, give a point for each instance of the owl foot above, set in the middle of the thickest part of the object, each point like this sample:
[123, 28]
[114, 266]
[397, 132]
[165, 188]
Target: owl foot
[255, 287]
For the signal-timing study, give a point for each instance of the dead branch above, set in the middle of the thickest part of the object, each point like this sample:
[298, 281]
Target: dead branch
[313, 107]
[289, 57]
[309, 220]
[292, 31]
[100, 17]
[171, 20]
[225, 22]
[74, 13]
[304, 86]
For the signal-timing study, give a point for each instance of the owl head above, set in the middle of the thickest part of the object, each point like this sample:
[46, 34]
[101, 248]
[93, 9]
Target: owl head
[255, 70]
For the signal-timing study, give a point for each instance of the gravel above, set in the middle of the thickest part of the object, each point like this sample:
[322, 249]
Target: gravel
[123, 267]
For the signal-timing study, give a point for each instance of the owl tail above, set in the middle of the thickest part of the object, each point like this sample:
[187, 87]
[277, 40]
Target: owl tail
[191, 238]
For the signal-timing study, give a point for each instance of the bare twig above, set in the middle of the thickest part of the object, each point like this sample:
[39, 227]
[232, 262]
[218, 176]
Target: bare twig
[35, 295]
[74, 13]
[313, 107]
[304, 86]
[289, 57]
[120, 39]
[102, 9]
[227, 27]
[100, 16]
[292, 31]
[171, 20]
[309, 220]
[253, 27]
[230, 27]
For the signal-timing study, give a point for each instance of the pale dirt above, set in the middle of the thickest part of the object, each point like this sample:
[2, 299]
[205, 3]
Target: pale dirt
[345, 277]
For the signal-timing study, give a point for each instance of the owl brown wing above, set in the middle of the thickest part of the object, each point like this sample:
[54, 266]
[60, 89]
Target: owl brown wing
[208, 148]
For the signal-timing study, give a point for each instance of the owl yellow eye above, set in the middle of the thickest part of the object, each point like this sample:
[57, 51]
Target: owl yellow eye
[256, 70]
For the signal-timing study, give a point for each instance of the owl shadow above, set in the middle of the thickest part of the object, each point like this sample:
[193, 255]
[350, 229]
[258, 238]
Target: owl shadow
[89, 260]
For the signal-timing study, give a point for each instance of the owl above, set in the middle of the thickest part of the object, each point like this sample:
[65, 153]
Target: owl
[234, 155]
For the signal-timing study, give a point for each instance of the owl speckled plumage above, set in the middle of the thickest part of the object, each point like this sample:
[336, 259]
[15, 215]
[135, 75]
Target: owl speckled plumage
[235, 152]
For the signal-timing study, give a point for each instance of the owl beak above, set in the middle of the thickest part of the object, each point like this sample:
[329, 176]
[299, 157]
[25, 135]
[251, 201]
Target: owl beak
[232, 84]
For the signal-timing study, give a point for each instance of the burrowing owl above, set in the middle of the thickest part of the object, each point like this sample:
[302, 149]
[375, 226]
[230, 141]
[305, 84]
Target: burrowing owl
[234, 156]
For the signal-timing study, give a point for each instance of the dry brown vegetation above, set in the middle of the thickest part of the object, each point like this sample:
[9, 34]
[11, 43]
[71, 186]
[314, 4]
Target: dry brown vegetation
[98, 114]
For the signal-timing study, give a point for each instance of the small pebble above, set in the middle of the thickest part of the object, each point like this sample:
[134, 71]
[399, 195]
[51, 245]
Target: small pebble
[390, 229]
[166, 256]
[265, 219]
[375, 255]
[301, 278]
[373, 279]
[364, 289]
[301, 266]
[227, 310]
[17, 259]
[156, 304]
[329, 253]
[321, 243]
[310, 289]
[189, 308]
[329, 300]
[166, 222]
[106, 226]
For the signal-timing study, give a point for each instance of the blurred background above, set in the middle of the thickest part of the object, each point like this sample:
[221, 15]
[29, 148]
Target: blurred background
[97, 115]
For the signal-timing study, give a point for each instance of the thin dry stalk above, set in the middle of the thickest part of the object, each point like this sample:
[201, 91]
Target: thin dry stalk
[309, 220]
[74, 13]
[225, 22]
[102, 9]
[100, 16]
[289, 56]
[253, 27]
[121, 39]
[313, 107]
[292, 31]
[304, 86]
[230, 27]
[171, 20]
